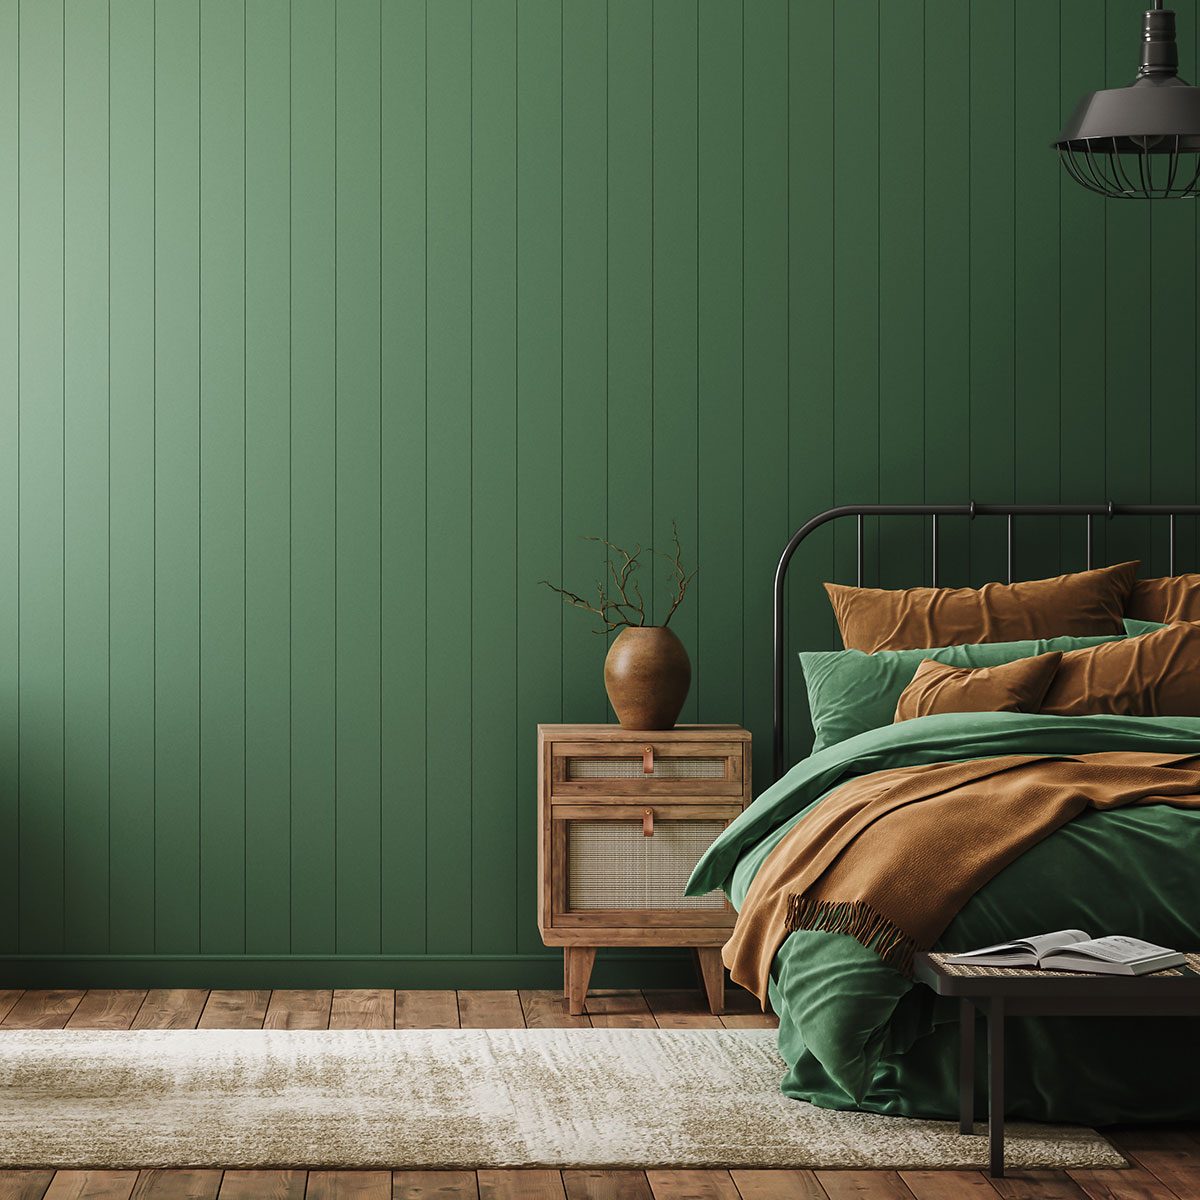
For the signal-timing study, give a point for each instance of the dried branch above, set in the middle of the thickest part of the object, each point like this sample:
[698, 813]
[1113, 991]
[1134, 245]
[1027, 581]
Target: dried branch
[621, 579]
[619, 600]
[623, 604]
[681, 577]
[604, 612]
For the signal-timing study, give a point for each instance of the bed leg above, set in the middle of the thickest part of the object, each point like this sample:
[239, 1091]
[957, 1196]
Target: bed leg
[966, 1066]
[712, 974]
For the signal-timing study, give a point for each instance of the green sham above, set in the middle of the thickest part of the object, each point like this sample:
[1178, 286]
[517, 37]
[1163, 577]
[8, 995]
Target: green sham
[850, 692]
[1135, 628]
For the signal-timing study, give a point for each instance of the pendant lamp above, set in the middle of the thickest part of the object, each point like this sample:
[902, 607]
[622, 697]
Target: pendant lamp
[1140, 141]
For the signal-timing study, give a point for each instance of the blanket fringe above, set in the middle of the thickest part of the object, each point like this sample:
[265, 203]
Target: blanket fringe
[860, 921]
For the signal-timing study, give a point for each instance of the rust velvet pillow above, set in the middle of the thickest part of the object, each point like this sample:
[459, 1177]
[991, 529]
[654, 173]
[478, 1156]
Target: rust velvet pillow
[1012, 687]
[1085, 604]
[1155, 675]
[1171, 598]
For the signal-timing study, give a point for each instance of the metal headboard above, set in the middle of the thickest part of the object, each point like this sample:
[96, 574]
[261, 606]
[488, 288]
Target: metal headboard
[935, 512]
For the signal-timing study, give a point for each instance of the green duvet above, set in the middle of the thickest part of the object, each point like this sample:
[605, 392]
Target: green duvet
[857, 1034]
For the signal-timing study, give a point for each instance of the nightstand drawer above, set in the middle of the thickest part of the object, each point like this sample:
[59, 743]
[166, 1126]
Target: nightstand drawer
[612, 864]
[646, 768]
[629, 865]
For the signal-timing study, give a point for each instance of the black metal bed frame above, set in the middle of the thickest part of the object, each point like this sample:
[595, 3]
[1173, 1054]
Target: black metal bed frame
[935, 512]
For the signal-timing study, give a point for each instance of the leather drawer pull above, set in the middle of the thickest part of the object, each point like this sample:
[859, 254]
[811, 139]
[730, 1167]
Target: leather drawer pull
[648, 823]
[647, 760]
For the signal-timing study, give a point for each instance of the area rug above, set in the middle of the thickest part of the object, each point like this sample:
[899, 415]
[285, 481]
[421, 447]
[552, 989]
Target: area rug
[454, 1098]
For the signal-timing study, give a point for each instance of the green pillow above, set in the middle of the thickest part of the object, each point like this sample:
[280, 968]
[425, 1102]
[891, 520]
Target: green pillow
[850, 692]
[1135, 628]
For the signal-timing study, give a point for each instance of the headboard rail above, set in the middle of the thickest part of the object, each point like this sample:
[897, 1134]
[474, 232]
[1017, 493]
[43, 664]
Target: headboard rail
[935, 512]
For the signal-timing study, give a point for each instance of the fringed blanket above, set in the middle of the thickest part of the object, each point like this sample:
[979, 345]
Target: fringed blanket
[891, 857]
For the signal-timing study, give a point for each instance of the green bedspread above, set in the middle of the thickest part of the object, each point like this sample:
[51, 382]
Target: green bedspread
[858, 1034]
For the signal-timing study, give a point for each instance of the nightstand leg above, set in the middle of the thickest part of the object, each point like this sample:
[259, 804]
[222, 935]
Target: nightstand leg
[966, 1066]
[579, 960]
[996, 1087]
[712, 974]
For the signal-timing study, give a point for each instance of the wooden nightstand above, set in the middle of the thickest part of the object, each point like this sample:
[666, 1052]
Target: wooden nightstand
[623, 818]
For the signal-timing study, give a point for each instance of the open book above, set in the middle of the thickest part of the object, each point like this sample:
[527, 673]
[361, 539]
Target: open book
[1074, 950]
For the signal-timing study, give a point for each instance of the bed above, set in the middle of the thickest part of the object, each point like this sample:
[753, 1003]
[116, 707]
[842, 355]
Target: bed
[856, 1032]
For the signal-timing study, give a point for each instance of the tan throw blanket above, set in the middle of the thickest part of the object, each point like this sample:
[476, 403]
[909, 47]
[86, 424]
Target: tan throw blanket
[891, 857]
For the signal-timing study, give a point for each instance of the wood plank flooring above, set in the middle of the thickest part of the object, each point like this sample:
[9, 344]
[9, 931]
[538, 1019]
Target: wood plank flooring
[1166, 1159]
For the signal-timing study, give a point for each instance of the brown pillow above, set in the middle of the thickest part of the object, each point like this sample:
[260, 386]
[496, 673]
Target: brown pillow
[1171, 598]
[1157, 674]
[1080, 605]
[1012, 687]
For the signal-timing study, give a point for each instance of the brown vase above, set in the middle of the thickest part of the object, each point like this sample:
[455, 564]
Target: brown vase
[647, 675]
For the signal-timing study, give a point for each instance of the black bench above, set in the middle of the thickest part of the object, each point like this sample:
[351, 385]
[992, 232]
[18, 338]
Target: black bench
[1001, 992]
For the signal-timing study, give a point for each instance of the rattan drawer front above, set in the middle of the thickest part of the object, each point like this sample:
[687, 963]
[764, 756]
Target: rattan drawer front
[612, 865]
[661, 768]
[646, 769]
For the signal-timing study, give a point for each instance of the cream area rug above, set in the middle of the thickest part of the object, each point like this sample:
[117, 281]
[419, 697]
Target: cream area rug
[454, 1098]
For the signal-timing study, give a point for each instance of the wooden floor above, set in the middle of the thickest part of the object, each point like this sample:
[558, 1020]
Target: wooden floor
[1167, 1161]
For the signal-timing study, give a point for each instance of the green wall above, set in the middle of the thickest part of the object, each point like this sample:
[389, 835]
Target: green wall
[327, 330]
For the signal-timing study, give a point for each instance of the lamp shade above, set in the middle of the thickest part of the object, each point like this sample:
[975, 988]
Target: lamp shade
[1140, 141]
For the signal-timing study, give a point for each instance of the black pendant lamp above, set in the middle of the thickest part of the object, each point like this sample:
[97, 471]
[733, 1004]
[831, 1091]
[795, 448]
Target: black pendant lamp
[1140, 141]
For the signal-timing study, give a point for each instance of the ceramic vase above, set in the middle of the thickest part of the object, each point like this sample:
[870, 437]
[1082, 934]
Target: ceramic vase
[647, 675]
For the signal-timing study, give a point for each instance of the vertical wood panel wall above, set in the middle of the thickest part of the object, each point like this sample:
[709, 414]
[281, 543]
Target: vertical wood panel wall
[327, 330]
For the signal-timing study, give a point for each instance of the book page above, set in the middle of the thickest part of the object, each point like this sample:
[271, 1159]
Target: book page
[1037, 945]
[1018, 947]
[1116, 948]
[1046, 943]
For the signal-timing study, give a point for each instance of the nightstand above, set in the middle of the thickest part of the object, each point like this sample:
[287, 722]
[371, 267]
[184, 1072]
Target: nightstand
[623, 817]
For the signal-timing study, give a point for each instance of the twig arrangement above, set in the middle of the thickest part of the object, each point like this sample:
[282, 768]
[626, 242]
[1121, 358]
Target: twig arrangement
[619, 600]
